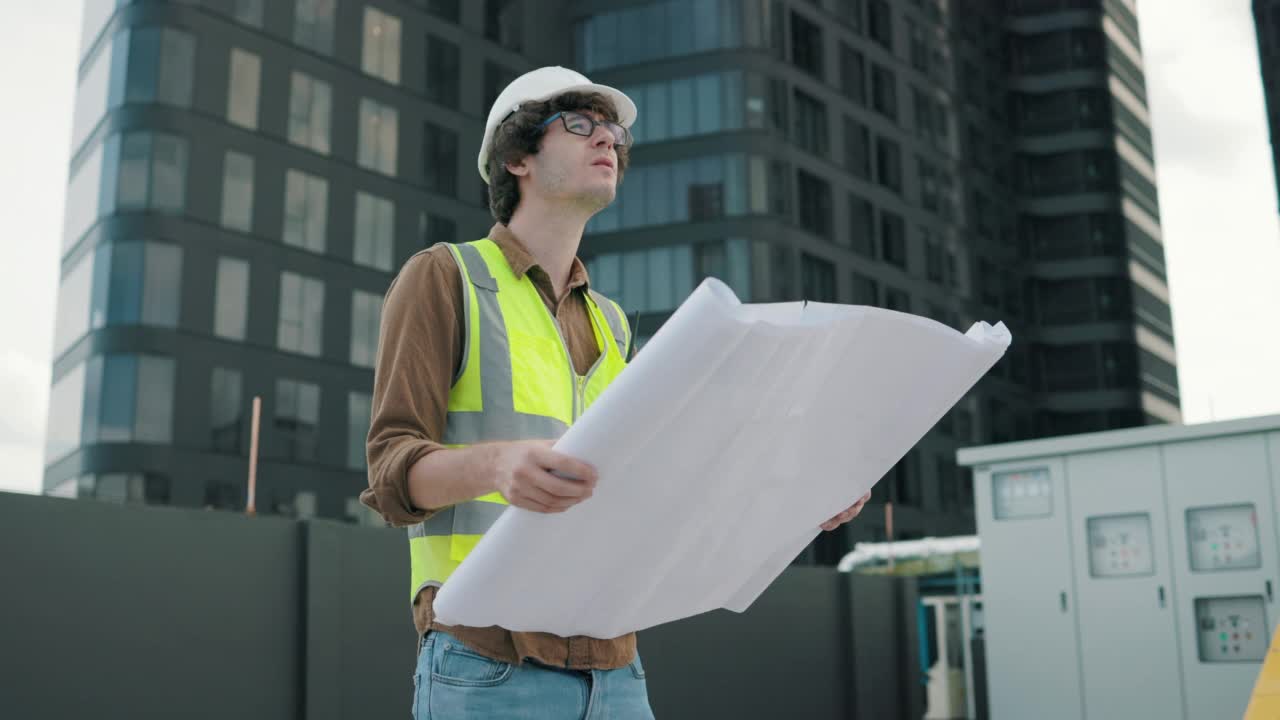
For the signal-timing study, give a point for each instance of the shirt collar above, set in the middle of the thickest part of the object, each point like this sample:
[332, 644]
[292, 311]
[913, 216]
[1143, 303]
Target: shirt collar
[523, 263]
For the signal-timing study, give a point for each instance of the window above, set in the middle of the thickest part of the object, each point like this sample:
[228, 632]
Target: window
[443, 68]
[153, 172]
[231, 302]
[248, 12]
[880, 22]
[75, 304]
[366, 314]
[242, 93]
[301, 314]
[888, 164]
[444, 9]
[895, 299]
[313, 24]
[66, 414]
[440, 159]
[933, 258]
[122, 487]
[359, 415]
[811, 124]
[237, 191]
[806, 45]
[161, 66]
[928, 184]
[865, 291]
[381, 46]
[817, 279]
[884, 91]
[496, 79]
[857, 148]
[862, 226]
[226, 416]
[893, 239]
[815, 204]
[129, 398]
[379, 132]
[434, 229]
[853, 73]
[375, 231]
[503, 23]
[306, 203]
[919, 49]
[310, 103]
[297, 418]
[653, 280]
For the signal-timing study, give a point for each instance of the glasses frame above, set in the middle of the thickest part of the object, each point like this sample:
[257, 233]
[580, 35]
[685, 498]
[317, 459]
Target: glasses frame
[625, 141]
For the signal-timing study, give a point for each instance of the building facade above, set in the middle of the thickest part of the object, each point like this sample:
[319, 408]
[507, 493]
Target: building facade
[1266, 20]
[247, 176]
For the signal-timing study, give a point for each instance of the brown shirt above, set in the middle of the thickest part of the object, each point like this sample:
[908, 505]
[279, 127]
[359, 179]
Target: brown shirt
[419, 351]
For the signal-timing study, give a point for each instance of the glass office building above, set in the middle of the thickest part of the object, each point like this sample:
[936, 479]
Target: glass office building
[247, 177]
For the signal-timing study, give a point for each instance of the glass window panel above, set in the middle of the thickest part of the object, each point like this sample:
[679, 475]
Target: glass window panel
[607, 219]
[135, 154]
[630, 37]
[682, 278]
[443, 68]
[244, 85]
[74, 302]
[735, 191]
[733, 102]
[289, 330]
[359, 412]
[92, 398]
[366, 314]
[306, 211]
[759, 186]
[124, 293]
[93, 94]
[231, 305]
[248, 12]
[656, 179]
[682, 180]
[381, 46]
[738, 260]
[682, 107]
[604, 40]
[154, 411]
[378, 136]
[681, 27]
[225, 409]
[633, 200]
[633, 281]
[706, 25]
[169, 168]
[144, 65]
[606, 274]
[162, 294]
[66, 408]
[313, 24]
[118, 394]
[177, 66]
[661, 295]
[310, 106]
[374, 231]
[237, 191]
[709, 102]
[313, 318]
[655, 108]
[85, 193]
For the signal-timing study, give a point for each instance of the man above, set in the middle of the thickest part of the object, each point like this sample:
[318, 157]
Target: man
[488, 351]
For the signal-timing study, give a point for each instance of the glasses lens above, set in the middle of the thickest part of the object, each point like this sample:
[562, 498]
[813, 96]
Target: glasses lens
[621, 136]
[578, 124]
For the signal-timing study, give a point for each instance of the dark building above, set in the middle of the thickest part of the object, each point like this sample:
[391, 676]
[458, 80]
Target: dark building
[1266, 19]
[248, 175]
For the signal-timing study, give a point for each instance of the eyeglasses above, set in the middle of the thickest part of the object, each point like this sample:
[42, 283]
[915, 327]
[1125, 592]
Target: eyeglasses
[584, 125]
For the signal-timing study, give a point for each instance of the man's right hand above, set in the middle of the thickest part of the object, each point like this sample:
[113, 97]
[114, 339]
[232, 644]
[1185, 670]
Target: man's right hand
[530, 475]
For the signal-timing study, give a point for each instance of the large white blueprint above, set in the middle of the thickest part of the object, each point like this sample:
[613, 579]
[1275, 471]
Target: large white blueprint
[734, 433]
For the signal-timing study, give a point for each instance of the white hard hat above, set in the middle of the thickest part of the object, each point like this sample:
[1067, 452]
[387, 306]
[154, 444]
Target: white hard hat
[540, 85]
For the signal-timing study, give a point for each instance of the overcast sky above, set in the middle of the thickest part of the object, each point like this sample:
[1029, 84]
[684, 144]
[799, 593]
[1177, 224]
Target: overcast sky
[1217, 197]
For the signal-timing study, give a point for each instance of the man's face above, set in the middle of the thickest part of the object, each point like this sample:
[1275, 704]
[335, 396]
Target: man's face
[573, 168]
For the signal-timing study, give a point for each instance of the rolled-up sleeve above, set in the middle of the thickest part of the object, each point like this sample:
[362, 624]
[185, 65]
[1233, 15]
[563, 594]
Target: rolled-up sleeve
[419, 347]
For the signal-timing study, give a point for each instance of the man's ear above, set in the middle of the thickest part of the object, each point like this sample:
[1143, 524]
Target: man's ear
[519, 169]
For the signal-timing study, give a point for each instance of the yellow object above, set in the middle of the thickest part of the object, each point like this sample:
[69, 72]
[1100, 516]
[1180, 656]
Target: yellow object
[1264, 704]
[517, 382]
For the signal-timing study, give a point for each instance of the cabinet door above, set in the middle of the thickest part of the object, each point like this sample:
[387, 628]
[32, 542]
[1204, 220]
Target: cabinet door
[1222, 531]
[1123, 574]
[1033, 666]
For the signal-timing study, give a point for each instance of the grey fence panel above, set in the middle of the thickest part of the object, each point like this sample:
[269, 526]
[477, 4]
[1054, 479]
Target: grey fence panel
[137, 612]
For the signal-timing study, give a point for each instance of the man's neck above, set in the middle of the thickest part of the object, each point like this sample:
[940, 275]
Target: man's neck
[552, 235]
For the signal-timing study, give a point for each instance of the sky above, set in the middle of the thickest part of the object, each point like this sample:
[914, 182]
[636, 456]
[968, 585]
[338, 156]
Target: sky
[1213, 165]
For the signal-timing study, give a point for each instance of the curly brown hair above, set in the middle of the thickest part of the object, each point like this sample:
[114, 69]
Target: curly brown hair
[519, 136]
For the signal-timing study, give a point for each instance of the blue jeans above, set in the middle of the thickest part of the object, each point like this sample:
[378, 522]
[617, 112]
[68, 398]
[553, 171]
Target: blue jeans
[454, 681]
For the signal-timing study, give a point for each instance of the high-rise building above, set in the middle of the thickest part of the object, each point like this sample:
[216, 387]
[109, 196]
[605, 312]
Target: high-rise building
[247, 176]
[1266, 19]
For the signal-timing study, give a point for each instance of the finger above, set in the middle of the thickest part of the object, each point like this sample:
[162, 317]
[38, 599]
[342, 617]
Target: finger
[535, 498]
[566, 466]
[559, 487]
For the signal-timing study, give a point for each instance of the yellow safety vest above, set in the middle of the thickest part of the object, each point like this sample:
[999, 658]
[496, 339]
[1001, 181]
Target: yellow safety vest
[516, 382]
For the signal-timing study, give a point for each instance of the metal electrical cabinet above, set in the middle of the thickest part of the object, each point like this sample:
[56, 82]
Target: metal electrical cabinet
[1129, 574]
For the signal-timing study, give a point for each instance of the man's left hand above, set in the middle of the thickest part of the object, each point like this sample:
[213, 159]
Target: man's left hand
[847, 515]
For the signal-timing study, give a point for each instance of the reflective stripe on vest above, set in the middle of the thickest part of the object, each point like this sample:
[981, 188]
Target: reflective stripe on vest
[516, 382]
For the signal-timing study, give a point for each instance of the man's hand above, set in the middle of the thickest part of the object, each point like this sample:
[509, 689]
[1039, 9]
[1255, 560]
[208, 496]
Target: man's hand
[847, 515]
[522, 472]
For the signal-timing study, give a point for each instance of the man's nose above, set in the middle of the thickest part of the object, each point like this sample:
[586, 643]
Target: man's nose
[600, 135]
